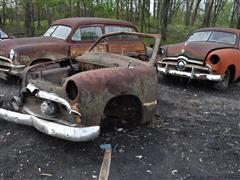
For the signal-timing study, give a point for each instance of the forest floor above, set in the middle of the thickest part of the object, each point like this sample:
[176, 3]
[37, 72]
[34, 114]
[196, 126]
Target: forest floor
[195, 135]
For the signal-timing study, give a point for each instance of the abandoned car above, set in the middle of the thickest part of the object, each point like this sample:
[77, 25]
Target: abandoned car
[68, 37]
[210, 54]
[72, 98]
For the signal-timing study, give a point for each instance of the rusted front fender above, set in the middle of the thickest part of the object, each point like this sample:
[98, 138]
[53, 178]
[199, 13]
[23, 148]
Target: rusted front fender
[96, 88]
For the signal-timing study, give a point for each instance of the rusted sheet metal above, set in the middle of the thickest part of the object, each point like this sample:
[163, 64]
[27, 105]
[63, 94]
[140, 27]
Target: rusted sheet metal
[97, 87]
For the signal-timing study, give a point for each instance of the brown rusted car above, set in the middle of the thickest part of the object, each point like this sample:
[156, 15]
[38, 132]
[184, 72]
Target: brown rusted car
[72, 98]
[68, 37]
[210, 54]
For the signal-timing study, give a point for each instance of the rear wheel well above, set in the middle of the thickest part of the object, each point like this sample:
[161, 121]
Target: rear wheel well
[122, 111]
[37, 61]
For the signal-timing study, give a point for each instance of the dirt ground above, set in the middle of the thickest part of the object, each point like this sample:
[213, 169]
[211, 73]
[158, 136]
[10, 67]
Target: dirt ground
[195, 135]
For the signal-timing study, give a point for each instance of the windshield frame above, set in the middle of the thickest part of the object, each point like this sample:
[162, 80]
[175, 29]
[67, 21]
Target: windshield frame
[58, 25]
[156, 37]
[210, 35]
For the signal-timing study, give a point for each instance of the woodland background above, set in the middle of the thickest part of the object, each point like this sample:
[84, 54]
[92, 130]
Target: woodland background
[175, 19]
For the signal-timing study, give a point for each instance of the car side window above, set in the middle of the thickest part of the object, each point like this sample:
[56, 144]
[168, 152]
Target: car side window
[114, 28]
[87, 33]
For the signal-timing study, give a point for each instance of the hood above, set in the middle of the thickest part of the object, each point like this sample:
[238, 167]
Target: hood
[33, 43]
[110, 60]
[194, 50]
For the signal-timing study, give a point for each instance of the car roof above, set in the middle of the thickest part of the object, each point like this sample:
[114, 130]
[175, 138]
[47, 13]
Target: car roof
[76, 22]
[231, 30]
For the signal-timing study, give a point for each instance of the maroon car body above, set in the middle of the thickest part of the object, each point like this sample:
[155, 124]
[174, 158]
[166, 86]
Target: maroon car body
[68, 37]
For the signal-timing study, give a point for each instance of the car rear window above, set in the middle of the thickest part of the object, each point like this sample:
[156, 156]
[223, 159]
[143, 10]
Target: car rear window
[87, 33]
[214, 36]
[112, 28]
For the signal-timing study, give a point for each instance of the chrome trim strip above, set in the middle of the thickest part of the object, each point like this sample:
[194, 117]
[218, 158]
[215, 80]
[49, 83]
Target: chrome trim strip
[182, 57]
[187, 65]
[77, 134]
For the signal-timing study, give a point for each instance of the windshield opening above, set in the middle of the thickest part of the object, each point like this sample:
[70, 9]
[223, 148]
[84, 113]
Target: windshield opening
[142, 50]
[58, 31]
[214, 36]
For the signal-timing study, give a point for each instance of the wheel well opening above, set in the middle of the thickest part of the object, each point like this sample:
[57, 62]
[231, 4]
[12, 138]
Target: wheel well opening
[232, 72]
[122, 111]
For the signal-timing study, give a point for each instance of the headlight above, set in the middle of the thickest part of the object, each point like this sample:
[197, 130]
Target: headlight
[72, 90]
[49, 108]
[12, 54]
[214, 59]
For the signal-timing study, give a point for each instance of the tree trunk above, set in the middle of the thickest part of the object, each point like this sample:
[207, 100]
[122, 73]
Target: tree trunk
[29, 19]
[195, 11]
[208, 12]
[189, 5]
[165, 9]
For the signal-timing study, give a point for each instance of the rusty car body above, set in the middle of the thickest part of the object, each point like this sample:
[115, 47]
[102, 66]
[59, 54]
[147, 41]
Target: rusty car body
[72, 98]
[68, 37]
[210, 54]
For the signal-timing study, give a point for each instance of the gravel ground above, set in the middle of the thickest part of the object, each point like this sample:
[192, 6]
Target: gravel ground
[195, 135]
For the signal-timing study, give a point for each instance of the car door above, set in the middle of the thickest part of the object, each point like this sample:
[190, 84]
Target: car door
[83, 38]
[123, 43]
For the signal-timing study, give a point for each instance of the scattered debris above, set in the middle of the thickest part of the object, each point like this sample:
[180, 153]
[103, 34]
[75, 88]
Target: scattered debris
[105, 168]
[139, 156]
[46, 174]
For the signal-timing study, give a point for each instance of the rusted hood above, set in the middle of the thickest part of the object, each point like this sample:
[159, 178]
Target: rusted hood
[31, 44]
[194, 50]
[110, 60]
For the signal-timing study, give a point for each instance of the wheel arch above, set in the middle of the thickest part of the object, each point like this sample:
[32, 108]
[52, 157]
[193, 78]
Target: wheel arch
[125, 99]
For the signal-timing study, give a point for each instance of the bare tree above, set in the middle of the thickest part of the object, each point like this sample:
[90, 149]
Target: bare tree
[208, 13]
[165, 11]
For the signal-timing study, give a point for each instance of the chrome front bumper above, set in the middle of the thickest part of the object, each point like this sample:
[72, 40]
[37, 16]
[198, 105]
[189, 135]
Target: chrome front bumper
[191, 75]
[50, 128]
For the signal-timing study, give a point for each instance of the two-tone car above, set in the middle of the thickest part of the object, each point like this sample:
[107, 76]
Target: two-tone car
[208, 54]
[69, 37]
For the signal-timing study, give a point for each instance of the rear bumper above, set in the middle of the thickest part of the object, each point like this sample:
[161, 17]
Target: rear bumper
[191, 75]
[78, 134]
